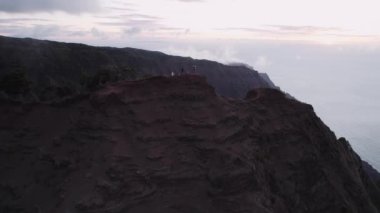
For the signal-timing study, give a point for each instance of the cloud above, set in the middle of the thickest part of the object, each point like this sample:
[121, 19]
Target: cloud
[95, 32]
[315, 34]
[132, 31]
[21, 20]
[191, 0]
[35, 31]
[123, 9]
[247, 29]
[261, 62]
[133, 24]
[221, 54]
[51, 31]
[286, 29]
[131, 20]
[31, 6]
[305, 29]
[40, 31]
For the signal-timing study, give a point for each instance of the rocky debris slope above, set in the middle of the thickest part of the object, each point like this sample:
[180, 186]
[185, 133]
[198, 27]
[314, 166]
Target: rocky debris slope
[172, 145]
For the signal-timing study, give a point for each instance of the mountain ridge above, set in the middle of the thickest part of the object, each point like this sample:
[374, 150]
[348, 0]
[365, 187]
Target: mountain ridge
[62, 79]
[59, 69]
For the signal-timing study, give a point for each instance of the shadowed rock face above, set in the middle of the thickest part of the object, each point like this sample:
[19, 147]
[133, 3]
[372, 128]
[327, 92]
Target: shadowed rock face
[58, 70]
[172, 145]
[371, 172]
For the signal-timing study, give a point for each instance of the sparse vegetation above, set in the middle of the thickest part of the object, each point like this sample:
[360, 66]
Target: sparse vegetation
[15, 83]
[105, 75]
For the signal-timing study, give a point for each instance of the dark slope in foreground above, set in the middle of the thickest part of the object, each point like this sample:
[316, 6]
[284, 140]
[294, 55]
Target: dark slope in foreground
[172, 145]
[60, 69]
[372, 172]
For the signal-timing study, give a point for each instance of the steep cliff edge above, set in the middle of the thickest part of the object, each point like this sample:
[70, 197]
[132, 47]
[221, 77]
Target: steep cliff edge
[57, 70]
[173, 145]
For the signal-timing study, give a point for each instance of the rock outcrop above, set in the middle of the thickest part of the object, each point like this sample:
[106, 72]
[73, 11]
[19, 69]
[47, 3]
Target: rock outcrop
[173, 145]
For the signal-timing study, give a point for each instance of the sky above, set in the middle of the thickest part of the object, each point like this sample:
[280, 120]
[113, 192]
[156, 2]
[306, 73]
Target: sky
[323, 52]
[96, 21]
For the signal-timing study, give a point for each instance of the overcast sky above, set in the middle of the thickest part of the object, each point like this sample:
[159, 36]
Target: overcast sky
[322, 21]
[323, 52]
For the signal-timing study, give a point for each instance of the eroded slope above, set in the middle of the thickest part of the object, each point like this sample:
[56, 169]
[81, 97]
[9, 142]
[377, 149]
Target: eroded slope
[172, 145]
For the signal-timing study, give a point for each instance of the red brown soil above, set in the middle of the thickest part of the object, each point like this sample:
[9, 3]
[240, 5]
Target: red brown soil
[172, 145]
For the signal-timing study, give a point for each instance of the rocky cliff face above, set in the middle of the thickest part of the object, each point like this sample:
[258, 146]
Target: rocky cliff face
[173, 145]
[58, 70]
